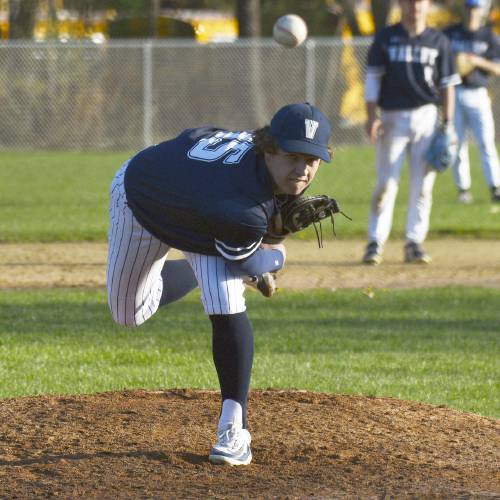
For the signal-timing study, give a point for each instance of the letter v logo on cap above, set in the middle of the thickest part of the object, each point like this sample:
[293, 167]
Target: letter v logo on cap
[311, 127]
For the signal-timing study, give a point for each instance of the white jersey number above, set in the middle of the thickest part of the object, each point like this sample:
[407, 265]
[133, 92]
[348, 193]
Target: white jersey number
[428, 75]
[231, 145]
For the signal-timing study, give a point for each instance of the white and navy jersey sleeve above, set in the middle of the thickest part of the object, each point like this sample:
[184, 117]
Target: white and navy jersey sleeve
[239, 227]
[231, 251]
[239, 231]
[413, 69]
[239, 243]
[448, 75]
[377, 63]
[482, 43]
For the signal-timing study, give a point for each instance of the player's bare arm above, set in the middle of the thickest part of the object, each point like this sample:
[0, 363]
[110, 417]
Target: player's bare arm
[491, 67]
[448, 102]
[374, 127]
[373, 83]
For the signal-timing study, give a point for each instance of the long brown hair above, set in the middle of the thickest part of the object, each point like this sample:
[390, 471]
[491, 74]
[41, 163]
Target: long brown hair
[264, 141]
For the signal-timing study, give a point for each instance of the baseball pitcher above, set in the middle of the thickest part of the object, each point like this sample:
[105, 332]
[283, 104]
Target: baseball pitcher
[211, 193]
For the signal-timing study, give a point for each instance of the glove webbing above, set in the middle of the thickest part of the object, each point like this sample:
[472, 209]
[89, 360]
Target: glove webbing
[319, 234]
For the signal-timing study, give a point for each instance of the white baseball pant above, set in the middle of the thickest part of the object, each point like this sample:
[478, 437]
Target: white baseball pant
[473, 111]
[406, 133]
[136, 259]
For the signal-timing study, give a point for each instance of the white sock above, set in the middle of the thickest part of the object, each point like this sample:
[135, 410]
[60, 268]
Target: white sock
[232, 413]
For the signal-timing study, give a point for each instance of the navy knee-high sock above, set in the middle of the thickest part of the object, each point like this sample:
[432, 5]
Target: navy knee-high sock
[232, 346]
[178, 280]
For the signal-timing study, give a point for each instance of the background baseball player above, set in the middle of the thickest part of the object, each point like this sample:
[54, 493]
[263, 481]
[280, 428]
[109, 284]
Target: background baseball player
[211, 194]
[478, 56]
[410, 70]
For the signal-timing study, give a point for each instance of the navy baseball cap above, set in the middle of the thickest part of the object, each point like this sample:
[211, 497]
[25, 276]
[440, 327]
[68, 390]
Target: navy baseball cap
[302, 128]
[475, 3]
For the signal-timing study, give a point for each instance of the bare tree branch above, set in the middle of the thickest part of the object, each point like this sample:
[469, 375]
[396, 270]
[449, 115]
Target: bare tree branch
[248, 14]
[21, 18]
[381, 10]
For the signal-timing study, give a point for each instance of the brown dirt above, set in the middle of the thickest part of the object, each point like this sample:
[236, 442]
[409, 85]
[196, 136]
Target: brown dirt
[139, 444]
[155, 445]
[337, 265]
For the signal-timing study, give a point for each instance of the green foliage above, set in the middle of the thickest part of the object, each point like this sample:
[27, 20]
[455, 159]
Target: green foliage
[63, 196]
[438, 346]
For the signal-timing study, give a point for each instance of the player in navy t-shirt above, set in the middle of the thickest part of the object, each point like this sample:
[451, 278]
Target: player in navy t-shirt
[211, 193]
[409, 72]
[478, 51]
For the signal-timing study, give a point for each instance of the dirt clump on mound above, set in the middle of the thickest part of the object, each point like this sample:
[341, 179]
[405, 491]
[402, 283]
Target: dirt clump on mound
[138, 444]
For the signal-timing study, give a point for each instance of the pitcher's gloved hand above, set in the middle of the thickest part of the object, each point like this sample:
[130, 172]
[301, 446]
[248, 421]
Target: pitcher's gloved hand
[299, 213]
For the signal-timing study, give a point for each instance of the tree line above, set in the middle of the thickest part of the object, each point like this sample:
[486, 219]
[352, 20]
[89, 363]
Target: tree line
[255, 17]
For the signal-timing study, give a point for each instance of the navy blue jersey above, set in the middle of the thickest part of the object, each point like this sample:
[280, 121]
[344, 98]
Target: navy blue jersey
[206, 191]
[413, 69]
[483, 43]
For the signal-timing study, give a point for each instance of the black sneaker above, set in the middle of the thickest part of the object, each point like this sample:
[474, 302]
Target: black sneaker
[373, 254]
[414, 253]
[495, 194]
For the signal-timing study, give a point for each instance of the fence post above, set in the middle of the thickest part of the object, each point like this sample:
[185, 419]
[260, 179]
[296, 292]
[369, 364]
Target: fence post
[147, 83]
[310, 71]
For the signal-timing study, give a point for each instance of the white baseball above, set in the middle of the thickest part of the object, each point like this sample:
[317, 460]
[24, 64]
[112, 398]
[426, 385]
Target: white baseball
[290, 30]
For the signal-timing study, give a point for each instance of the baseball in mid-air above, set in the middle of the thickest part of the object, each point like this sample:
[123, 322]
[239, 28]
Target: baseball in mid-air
[290, 30]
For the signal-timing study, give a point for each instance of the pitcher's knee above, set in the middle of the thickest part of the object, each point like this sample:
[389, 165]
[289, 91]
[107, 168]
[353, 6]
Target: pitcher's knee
[123, 320]
[127, 316]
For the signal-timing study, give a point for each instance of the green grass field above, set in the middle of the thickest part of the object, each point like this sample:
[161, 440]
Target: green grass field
[434, 345]
[438, 346]
[63, 196]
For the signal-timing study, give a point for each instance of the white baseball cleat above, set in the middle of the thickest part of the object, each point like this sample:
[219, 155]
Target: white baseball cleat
[233, 446]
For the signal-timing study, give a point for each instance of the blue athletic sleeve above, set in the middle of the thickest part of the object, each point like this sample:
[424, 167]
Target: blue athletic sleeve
[261, 261]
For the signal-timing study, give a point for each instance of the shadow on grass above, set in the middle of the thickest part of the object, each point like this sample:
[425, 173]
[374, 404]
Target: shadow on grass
[307, 322]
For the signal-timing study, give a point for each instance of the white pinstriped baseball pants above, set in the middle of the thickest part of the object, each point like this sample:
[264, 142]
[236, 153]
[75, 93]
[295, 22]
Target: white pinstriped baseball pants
[135, 262]
[473, 111]
[406, 133]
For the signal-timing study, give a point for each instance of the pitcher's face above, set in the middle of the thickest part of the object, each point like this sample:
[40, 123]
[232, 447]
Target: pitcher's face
[291, 172]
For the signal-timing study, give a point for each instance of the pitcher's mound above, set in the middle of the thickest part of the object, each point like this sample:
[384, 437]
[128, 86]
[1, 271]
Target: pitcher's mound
[138, 444]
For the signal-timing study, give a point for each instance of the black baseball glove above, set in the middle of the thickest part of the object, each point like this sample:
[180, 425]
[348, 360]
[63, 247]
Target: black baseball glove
[297, 213]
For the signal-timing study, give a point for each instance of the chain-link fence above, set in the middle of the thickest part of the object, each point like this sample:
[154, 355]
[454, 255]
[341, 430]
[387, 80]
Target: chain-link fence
[125, 95]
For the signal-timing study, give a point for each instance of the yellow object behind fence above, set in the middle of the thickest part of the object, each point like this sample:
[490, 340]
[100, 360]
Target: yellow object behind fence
[352, 109]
